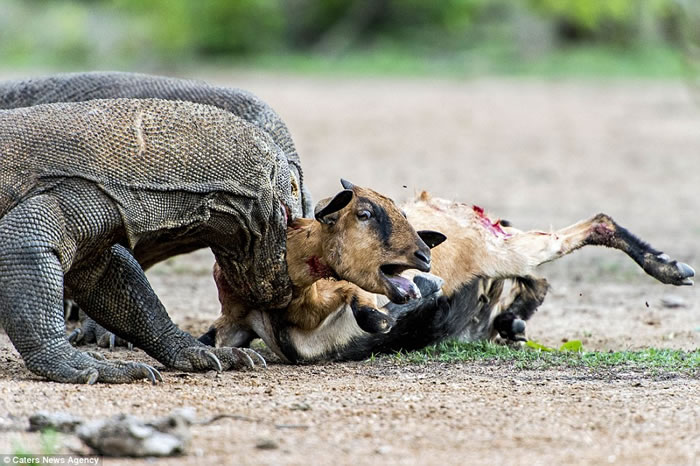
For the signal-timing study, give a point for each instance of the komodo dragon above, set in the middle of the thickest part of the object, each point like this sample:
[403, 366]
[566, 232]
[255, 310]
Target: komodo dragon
[77, 87]
[83, 184]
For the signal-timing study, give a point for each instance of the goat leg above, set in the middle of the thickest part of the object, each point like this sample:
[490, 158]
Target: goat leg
[529, 249]
[368, 318]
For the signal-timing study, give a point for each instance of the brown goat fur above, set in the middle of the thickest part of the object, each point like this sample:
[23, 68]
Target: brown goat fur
[489, 285]
[478, 246]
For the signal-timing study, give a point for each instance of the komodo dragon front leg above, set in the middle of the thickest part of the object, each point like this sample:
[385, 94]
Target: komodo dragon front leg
[67, 233]
[35, 252]
[118, 296]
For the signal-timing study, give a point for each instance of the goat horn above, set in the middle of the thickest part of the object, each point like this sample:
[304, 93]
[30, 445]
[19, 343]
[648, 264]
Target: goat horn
[346, 184]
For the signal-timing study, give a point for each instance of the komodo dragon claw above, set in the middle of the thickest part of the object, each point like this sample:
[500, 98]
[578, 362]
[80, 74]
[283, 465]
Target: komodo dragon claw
[254, 354]
[78, 337]
[107, 339]
[213, 359]
[74, 337]
[96, 355]
[152, 373]
[218, 359]
[90, 368]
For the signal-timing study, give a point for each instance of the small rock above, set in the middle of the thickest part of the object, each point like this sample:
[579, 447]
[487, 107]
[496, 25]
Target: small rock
[672, 301]
[74, 445]
[10, 422]
[60, 422]
[383, 450]
[300, 407]
[266, 444]
[125, 435]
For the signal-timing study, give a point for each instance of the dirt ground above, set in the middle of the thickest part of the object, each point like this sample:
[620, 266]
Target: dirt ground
[540, 154]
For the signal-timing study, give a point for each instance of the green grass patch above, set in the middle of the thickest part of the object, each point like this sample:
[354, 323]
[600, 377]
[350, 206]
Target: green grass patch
[49, 445]
[570, 355]
[570, 62]
[486, 60]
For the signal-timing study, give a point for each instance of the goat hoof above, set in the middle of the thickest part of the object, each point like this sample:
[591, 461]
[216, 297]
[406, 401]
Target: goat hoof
[666, 270]
[509, 326]
[518, 326]
[428, 283]
[664, 258]
[373, 321]
[687, 272]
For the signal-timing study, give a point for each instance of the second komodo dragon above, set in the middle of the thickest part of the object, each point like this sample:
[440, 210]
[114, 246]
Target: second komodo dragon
[83, 184]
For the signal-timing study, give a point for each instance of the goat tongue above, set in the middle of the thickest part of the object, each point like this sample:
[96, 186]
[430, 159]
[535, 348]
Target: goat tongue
[405, 286]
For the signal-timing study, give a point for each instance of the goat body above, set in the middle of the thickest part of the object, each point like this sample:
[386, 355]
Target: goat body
[489, 286]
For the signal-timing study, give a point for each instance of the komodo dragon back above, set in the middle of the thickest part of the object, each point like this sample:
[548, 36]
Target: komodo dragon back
[151, 156]
[75, 87]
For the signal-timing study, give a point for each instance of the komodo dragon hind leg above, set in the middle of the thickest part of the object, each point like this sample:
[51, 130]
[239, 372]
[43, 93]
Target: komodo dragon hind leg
[90, 331]
[33, 255]
[115, 292]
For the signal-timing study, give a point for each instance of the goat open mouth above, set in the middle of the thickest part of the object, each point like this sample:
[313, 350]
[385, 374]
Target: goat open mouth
[401, 289]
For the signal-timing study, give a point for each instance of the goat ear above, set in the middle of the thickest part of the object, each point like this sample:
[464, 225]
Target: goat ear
[325, 209]
[431, 238]
[346, 184]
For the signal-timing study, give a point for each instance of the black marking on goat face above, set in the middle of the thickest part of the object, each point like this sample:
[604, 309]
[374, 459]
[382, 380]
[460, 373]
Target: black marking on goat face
[380, 221]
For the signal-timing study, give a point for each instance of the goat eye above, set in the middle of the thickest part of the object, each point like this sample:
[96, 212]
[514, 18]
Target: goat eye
[364, 215]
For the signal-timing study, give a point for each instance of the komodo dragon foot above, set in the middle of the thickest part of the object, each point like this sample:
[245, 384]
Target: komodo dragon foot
[88, 368]
[116, 294]
[92, 332]
[199, 358]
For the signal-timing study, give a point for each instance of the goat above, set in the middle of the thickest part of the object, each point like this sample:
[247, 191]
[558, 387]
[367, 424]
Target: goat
[489, 287]
[358, 236]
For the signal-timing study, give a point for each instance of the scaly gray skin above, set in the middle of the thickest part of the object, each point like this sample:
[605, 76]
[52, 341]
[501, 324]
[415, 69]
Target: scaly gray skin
[79, 87]
[84, 184]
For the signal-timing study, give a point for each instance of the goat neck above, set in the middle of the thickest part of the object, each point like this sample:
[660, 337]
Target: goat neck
[305, 259]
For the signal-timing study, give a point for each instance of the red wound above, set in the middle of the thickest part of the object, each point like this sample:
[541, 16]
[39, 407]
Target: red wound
[318, 269]
[222, 284]
[493, 227]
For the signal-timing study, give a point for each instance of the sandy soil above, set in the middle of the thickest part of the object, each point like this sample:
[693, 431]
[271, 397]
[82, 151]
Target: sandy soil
[538, 154]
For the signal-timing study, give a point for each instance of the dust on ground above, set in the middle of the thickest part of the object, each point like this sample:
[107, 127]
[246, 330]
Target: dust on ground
[540, 154]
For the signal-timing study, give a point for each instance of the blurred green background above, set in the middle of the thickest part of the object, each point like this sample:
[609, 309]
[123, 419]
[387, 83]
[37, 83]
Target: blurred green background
[454, 37]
